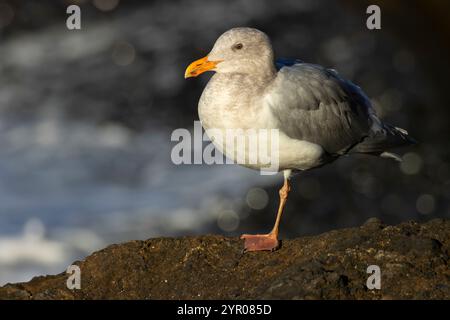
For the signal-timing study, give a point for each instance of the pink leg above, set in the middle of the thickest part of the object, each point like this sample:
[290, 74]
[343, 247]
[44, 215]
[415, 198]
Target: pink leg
[269, 241]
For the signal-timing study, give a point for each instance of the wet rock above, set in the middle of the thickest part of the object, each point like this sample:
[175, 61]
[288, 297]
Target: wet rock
[413, 259]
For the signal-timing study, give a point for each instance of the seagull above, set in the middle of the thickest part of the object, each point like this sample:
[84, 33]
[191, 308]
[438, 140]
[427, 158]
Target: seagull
[319, 115]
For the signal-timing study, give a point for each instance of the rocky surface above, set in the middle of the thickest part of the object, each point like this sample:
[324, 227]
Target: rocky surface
[413, 259]
[88, 115]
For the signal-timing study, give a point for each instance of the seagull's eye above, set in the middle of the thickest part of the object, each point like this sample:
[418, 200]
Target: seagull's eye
[238, 46]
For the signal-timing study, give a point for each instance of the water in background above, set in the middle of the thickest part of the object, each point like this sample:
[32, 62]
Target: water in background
[86, 118]
[68, 189]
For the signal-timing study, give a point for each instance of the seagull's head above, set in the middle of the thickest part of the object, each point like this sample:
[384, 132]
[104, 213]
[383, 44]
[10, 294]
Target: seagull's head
[239, 50]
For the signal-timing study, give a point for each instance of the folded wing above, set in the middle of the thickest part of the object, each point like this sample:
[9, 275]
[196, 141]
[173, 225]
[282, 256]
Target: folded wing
[315, 104]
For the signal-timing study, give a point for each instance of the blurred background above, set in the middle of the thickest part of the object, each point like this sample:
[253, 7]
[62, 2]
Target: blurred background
[86, 118]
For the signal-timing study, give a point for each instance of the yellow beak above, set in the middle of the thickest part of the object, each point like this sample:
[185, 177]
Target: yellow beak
[199, 66]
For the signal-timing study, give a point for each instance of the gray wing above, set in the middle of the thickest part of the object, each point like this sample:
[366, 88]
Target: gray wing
[315, 104]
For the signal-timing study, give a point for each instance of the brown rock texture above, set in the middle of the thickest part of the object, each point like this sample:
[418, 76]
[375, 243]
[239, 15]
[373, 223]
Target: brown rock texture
[413, 259]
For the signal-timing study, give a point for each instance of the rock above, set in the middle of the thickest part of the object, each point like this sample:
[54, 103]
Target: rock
[413, 259]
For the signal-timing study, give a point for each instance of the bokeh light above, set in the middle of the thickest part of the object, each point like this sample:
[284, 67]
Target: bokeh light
[123, 53]
[425, 203]
[106, 5]
[257, 198]
[228, 220]
[411, 164]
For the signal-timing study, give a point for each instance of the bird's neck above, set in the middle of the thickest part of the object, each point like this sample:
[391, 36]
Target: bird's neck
[259, 77]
